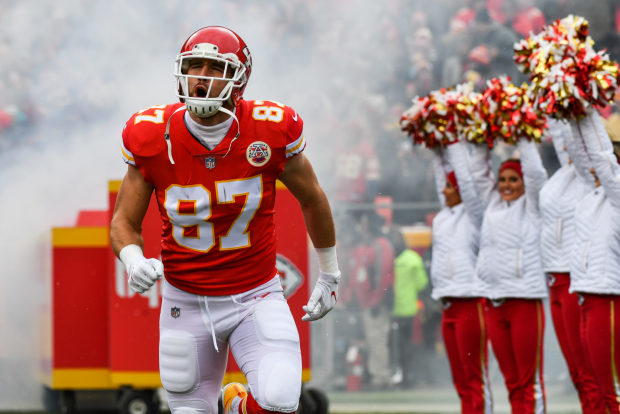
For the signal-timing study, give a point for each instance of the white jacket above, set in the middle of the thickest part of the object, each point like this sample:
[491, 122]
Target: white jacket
[595, 263]
[456, 230]
[509, 263]
[558, 198]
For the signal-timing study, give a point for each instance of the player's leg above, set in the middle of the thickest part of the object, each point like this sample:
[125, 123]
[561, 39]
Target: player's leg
[266, 347]
[528, 327]
[191, 369]
[601, 331]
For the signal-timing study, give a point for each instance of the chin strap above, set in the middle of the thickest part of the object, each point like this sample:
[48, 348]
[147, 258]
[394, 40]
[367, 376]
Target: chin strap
[167, 134]
[231, 113]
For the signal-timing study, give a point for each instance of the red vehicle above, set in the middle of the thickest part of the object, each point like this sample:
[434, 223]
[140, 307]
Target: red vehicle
[95, 320]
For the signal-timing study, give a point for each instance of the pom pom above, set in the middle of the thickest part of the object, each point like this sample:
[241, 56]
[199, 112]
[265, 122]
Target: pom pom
[567, 76]
[510, 113]
[439, 118]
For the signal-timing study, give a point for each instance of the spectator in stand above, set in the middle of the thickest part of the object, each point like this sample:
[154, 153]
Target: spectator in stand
[453, 53]
[491, 49]
[357, 165]
[409, 279]
[370, 288]
[523, 16]
[456, 232]
[558, 199]
[509, 266]
[600, 13]
[422, 58]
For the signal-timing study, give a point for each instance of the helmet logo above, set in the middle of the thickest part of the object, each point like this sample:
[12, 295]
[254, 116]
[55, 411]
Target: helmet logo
[258, 153]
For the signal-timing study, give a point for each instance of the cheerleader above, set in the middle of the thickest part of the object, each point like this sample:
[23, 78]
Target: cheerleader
[558, 197]
[456, 230]
[595, 259]
[509, 267]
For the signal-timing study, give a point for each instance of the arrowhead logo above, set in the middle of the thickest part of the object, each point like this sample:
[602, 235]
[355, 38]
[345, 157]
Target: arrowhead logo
[290, 276]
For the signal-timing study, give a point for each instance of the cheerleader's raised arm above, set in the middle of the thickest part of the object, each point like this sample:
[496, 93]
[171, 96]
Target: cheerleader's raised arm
[601, 152]
[557, 132]
[440, 168]
[459, 160]
[482, 173]
[578, 154]
[534, 174]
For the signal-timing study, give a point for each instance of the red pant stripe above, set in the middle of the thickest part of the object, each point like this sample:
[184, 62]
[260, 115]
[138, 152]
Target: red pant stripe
[539, 390]
[614, 370]
[486, 383]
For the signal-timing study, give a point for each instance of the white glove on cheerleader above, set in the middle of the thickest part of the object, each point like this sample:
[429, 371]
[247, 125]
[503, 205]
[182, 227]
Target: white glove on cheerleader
[142, 272]
[323, 298]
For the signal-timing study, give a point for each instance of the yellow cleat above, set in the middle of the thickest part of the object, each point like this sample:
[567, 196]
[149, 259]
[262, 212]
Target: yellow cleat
[229, 393]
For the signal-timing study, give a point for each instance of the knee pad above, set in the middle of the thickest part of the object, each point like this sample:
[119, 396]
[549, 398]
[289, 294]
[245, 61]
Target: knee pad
[279, 371]
[280, 382]
[178, 361]
[190, 407]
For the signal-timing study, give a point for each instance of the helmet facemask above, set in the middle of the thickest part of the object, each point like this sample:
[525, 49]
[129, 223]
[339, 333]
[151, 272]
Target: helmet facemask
[233, 74]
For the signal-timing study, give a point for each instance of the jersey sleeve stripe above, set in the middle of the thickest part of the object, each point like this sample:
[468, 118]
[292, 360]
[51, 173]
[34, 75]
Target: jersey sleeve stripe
[295, 147]
[127, 156]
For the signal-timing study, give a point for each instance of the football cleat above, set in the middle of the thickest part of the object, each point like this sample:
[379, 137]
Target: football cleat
[228, 395]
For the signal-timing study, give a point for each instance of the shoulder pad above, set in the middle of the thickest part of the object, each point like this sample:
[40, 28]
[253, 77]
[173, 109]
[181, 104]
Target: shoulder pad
[143, 134]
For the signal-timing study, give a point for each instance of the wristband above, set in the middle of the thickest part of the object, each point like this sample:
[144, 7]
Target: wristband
[328, 261]
[129, 253]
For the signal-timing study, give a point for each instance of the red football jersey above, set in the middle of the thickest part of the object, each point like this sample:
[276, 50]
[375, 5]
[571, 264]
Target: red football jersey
[217, 206]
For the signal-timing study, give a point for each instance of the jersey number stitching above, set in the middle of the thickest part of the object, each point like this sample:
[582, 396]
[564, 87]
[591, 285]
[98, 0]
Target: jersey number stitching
[189, 210]
[158, 118]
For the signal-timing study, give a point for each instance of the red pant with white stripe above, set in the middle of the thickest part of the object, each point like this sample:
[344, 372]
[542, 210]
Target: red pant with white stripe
[566, 316]
[600, 333]
[515, 328]
[465, 339]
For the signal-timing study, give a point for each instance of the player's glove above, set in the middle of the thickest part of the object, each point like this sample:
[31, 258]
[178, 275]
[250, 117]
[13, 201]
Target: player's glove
[323, 297]
[142, 272]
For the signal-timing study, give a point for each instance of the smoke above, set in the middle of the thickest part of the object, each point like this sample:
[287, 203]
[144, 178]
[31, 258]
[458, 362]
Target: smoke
[74, 71]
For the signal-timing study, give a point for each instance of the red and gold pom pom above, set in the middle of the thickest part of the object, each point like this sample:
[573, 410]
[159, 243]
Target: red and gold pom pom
[510, 113]
[438, 118]
[567, 76]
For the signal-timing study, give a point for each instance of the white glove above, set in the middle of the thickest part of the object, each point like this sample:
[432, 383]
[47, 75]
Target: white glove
[142, 272]
[323, 297]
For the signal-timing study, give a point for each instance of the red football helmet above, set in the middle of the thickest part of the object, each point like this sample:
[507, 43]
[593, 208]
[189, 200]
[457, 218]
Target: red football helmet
[224, 45]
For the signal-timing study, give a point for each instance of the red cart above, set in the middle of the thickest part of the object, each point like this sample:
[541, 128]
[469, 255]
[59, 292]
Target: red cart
[96, 320]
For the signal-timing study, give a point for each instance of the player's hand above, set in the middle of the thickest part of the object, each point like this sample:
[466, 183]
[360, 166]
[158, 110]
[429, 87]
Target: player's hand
[143, 273]
[323, 298]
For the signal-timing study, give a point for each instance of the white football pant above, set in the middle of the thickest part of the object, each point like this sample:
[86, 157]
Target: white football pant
[258, 327]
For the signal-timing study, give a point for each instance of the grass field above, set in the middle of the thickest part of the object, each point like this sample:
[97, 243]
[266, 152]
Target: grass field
[423, 400]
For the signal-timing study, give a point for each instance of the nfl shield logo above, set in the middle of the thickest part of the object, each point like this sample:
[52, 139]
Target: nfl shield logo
[175, 312]
[210, 162]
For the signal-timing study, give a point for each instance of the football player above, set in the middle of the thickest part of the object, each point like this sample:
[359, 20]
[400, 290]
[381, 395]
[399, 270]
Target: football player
[213, 160]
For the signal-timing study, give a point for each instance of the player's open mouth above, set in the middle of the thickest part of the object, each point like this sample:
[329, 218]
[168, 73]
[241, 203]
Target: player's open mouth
[200, 92]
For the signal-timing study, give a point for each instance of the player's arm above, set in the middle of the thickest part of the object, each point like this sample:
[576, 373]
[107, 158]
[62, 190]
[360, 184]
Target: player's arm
[299, 177]
[132, 202]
